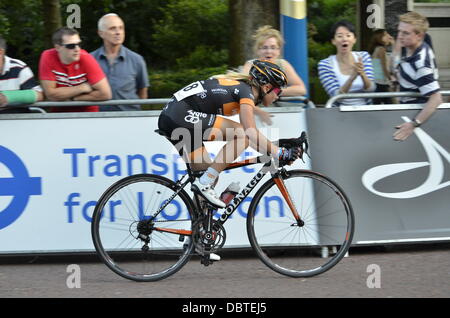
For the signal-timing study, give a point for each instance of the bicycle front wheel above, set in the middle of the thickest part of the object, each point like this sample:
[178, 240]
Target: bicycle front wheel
[130, 240]
[301, 249]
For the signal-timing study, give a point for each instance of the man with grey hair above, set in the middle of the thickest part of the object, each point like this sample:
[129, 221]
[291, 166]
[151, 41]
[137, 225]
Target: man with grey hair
[17, 83]
[126, 70]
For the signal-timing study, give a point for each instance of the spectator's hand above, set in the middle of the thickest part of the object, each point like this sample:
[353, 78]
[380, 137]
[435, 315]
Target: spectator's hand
[86, 88]
[403, 131]
[265, 117]
[391, 40]
[3, 101]
[359, 66]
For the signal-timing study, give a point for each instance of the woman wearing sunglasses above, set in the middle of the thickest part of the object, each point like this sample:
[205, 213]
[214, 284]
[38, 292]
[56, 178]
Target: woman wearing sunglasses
[191, 118]
[268, 46]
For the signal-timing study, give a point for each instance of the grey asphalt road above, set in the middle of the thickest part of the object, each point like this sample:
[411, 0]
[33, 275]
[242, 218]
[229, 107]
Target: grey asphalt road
[419, 271]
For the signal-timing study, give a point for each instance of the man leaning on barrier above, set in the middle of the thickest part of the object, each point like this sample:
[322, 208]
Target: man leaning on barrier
[417, 71]
[68, 72]
[17, 84]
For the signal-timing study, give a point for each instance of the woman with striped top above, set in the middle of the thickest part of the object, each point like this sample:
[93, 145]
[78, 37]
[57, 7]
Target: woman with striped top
[347, 71]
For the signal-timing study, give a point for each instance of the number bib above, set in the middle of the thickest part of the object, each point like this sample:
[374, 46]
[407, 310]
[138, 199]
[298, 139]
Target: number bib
[191, 89]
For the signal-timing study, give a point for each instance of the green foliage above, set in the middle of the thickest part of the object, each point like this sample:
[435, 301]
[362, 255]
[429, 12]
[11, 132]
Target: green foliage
[169, 34]
[192, 31]
[203, 56]
[165, 83]
[324, 13]
[21, 25]
[186, 38]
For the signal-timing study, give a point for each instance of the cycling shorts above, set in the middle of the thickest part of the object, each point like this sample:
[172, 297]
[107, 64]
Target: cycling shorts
[187, 127]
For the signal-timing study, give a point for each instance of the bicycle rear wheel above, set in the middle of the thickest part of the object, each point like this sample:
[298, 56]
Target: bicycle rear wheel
[132, 243]
[292, 249]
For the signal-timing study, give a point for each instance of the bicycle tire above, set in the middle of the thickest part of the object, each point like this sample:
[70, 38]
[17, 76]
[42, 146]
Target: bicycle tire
[118, 225]
[294, 250]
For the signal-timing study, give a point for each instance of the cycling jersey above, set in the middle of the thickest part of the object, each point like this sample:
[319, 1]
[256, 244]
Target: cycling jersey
[216, 96]
[196, 106]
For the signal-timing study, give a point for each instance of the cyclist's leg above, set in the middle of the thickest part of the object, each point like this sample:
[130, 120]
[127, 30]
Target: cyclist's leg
[232, 133]
[236, 142]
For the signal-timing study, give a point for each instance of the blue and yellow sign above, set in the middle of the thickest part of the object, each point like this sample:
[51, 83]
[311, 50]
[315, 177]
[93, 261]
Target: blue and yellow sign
[294, 28]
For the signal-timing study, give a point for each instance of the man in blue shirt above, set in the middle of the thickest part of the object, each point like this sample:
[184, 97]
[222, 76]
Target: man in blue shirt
[126, 70]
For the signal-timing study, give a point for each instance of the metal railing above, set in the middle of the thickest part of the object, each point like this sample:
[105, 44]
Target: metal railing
[335, 98]
[38, 107]
[152, 101]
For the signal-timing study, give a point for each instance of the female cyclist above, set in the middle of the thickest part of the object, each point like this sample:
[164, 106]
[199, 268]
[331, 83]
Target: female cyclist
[191, 118]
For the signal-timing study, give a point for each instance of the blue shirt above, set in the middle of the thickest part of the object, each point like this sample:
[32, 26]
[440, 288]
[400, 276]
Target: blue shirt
[126, 75]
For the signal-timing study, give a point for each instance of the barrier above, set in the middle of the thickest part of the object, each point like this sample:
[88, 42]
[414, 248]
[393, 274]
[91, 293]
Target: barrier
[38, 107]
[332, 100]
[399, 190]
[53, 168]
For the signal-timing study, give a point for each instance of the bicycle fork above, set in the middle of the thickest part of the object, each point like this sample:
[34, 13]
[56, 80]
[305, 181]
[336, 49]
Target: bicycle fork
[285, 193]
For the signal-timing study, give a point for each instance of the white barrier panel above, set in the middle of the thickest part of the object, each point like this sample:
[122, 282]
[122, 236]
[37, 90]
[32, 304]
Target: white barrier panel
[52, 171]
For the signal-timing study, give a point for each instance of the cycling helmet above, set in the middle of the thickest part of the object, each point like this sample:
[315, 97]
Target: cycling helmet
[265, 72]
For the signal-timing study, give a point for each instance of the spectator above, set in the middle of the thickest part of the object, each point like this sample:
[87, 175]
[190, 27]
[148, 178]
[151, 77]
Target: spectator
[381, 63]
[68, 72]
[126, 70]
[268, 43]
[416, 71]
[17, 83]
[347, 71]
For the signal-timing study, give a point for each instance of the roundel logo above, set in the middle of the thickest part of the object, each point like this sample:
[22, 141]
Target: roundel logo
[20, 187]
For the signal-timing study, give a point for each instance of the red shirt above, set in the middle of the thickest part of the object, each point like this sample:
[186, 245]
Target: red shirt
[85, 70]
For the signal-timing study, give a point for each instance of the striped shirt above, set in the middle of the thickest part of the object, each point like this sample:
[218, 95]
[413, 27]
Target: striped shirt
[418, 73]
[17, 75]
[332, 79]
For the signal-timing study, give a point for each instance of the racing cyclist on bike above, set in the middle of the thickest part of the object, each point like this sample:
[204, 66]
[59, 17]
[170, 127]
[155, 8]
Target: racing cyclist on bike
[191, 118]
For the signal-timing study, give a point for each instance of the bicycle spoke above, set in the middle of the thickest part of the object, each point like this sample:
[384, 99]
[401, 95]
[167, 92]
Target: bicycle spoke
[292, 248]
[129, 243]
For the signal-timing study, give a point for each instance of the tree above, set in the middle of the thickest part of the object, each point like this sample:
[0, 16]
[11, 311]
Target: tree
[21, 25]
[51, 10]
[245, 17]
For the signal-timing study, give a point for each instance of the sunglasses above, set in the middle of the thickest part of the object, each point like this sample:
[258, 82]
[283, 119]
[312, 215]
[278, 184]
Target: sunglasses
[276, 90]
[71, 46]
[266, 48]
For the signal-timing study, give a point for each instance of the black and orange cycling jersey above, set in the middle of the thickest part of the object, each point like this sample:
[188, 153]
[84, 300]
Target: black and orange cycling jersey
[219, 96]
[196, 106]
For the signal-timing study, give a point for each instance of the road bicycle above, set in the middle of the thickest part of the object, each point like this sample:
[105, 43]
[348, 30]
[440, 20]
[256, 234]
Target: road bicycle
[146, 227]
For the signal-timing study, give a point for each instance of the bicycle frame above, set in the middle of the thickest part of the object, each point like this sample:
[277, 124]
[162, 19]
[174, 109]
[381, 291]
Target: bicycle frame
[269, 166]
[237, 200]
